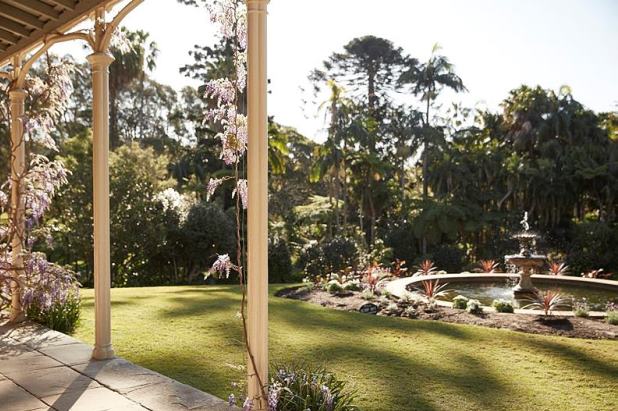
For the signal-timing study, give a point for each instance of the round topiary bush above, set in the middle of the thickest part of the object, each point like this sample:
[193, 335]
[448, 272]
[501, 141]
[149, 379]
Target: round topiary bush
[334, 287]
[460, 302]
[474, 307]
[503, 306]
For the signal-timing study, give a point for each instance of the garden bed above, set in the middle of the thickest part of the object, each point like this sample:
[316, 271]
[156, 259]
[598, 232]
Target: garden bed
[554, 325]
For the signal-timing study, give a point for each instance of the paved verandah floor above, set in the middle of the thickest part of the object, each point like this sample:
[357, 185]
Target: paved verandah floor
[42, 369]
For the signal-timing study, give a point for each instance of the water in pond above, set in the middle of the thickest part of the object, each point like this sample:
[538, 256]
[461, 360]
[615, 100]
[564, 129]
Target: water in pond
[487, 292]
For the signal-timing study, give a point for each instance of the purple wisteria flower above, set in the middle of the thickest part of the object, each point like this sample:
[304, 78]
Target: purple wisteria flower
[328, 398]
[247, 405]
[274, 392]
[242, 191]
[213, 184]
[223, 266]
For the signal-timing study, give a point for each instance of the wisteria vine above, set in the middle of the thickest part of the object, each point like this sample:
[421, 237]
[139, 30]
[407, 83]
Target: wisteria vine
[39, 282]
[230, 16]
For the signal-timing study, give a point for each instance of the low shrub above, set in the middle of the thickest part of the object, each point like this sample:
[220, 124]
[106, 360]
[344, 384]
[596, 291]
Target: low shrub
[352, 285]
[51, 294]
[612, 314]
[368, 295]
[384, 301]
[60, 316]
[408, 299]
[410, 312]
[392, 309]
[474, 307]
[334, 287]
[460, 302]
[300, 387]
[581, 308]
[503, 306]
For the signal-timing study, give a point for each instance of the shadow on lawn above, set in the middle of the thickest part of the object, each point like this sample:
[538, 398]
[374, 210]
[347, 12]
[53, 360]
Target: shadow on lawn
[295, 312]
[186, 306]
[586, 362]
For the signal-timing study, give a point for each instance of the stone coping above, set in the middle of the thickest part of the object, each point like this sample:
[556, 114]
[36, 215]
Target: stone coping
[399, 287]
[41, 369]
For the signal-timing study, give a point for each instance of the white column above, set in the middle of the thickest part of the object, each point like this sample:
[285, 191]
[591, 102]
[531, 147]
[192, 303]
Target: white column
[17, 98]
[257, 222]
[100, 152]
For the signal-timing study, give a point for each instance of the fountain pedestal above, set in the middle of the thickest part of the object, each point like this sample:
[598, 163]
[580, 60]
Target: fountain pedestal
[527, 265]
[527, 260]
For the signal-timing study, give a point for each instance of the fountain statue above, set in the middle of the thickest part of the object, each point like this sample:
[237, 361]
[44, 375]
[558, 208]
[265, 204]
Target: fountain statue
[527, 260]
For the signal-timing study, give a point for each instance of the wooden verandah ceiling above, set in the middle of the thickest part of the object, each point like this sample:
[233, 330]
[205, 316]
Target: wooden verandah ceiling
[24, 24]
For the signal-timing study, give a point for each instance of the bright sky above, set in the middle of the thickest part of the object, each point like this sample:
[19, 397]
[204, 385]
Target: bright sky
[496, 45]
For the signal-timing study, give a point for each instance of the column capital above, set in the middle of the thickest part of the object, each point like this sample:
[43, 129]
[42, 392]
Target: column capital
[100, 58]
[257, 5]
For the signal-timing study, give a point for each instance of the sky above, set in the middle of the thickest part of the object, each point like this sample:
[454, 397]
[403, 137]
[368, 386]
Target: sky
[495, 45]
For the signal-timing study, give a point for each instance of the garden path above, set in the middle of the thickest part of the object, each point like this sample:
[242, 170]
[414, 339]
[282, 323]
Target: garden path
[41, 369]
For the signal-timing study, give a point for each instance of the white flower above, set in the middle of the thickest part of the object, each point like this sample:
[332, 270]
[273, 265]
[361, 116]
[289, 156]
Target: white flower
[242, 191]
[213, 184]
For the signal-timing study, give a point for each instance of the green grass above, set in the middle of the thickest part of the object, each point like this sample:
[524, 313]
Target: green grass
[192, 334]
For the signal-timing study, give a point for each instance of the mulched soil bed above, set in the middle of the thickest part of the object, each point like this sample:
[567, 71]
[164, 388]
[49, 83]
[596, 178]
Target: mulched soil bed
[535, 324]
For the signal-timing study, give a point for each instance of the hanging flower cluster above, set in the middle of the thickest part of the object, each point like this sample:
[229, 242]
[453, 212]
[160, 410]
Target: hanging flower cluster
[43, 179]
[230, 16]
[49, 99]
[50, 283]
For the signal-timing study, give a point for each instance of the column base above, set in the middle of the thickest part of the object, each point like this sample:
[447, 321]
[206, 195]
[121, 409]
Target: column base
[103, 353]
[16, 318]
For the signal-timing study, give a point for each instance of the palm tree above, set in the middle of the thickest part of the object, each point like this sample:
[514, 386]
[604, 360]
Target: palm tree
[331, 156]
[132, 56]
[428, 80]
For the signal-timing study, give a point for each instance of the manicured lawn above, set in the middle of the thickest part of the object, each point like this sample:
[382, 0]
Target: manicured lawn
[192, 334]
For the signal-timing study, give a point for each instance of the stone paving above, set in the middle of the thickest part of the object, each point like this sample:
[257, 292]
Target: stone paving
[42, 369]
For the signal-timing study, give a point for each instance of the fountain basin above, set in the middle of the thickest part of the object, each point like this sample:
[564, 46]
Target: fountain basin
[486, 287]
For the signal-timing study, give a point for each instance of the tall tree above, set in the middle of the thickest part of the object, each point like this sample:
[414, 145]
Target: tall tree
[428, 80]
[133, 55]
[369, 66]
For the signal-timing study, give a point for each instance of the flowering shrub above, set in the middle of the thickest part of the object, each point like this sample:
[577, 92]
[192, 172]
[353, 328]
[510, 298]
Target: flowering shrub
[392, 309]
[503, 306]
[581, 308]
[300, 388]
[334, 287]
[49, 293]
[474, 307]
[410, 312]
[352, 285]
[460, 302]
[368, 295]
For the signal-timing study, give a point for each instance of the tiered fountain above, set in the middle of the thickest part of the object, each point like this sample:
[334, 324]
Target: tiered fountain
[527, 261]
